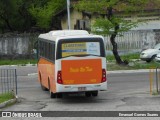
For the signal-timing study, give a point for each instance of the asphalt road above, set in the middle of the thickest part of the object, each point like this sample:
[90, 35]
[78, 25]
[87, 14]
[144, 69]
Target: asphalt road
[126, 92]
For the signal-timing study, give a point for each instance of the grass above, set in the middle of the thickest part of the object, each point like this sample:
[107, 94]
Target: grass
[133, 66]
[6, 96]
[23, 62]
[18, 62]
[155, 93]
[111, 63]
[128, 57]
[136, 64]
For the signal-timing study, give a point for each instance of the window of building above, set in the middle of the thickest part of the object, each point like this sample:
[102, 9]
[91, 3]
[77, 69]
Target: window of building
[82, 25]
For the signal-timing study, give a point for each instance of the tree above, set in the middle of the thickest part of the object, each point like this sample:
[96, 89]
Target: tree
[7, 10]
[14, 15]
[43, 13]
[23, 15]
[113, 25]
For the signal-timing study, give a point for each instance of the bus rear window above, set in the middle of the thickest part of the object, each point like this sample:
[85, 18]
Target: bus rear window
[80, 48]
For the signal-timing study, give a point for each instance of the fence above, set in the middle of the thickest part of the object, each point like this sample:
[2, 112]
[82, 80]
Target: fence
[17, 45]
[134, 41]
[8, 81]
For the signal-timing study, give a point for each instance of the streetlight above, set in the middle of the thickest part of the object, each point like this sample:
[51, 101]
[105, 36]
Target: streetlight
[68, 14]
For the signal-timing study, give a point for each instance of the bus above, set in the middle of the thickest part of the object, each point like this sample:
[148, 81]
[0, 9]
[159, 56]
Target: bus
[71, 61]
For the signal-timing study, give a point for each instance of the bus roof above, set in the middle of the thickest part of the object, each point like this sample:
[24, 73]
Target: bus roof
[59, 34]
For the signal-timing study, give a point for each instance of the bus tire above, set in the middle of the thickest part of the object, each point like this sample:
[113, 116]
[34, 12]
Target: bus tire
[88, 94]
[95, 93]
[59, 95]
[42, 87]
[52, 95]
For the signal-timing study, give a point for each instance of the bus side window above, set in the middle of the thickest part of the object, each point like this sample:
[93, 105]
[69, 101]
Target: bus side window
[52, 53]
[50, 47]
[45, 49]
[41, 48]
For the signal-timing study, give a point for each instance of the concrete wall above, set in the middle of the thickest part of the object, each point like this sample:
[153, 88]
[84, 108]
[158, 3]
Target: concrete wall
[22, 45]
[17, 45]
[134, 41]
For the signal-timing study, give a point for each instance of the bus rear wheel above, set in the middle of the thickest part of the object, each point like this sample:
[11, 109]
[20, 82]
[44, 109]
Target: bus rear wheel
[95, 93]
[42, 87]
[59, 95]
[52, 95]
[88, 94]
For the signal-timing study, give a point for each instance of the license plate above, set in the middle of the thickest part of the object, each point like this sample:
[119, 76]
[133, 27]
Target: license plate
[81, 88]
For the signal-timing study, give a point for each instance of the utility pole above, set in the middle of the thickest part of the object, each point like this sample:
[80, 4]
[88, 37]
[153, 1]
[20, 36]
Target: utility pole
[68, 14]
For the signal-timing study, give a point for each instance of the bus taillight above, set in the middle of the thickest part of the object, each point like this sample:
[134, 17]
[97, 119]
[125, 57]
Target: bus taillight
[104, 77]
[59, 77]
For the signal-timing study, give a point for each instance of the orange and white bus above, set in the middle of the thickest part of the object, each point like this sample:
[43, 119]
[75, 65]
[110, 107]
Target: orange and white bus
[71, 61]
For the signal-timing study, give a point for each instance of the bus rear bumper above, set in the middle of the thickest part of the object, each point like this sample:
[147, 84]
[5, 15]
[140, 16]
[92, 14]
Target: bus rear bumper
[81, 88]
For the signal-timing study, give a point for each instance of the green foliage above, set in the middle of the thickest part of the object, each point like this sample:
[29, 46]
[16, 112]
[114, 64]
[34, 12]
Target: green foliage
[107, 25]
[104, 26]
[8, 10]
[136, 65]
[22, 15]
[18, 62]
[43, 14]
[13, 15]
[6, 96]
[111, 24]
[128, 57]
[101, 6]
[91, 6]
[155, 93]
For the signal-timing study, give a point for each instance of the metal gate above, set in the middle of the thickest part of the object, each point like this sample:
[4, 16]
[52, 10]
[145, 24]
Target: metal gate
[8, 81]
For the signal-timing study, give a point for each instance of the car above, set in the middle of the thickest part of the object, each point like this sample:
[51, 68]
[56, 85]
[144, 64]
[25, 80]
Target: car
[149, 54]
[157, 58]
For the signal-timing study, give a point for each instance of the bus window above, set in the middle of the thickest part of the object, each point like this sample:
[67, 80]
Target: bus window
[79, 47]
[47, 50]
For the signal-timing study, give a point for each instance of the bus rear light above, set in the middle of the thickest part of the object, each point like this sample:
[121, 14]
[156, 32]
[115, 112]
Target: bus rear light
[59, 77]
[104, 77]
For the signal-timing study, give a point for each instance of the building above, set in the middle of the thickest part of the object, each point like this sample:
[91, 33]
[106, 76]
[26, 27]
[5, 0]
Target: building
[84, 20]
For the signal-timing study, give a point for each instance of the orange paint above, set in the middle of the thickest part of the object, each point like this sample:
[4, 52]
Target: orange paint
[81, 71]
[47, 71]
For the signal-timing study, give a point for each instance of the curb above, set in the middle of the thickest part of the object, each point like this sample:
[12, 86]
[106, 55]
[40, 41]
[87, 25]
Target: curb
[6, 103]
[129, 71]
[32, 74]
[20, 65]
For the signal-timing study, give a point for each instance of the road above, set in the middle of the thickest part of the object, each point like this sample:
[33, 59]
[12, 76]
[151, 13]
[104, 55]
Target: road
[126, 92]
